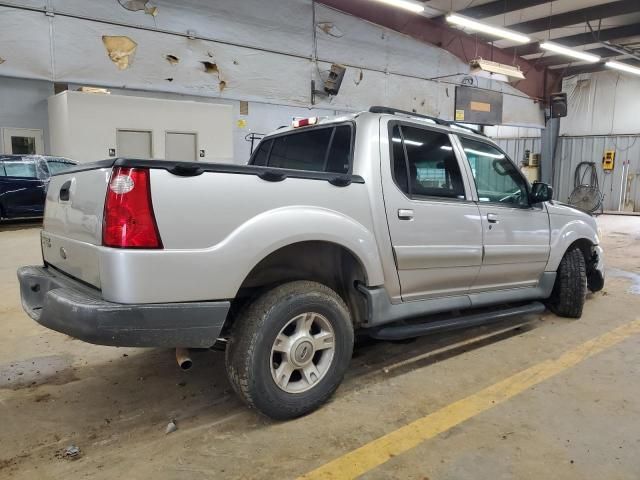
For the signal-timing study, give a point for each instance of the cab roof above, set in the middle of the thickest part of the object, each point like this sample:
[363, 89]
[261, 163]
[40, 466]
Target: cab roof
[445, 125]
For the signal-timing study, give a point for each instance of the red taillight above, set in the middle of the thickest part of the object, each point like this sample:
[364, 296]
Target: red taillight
[128, 213]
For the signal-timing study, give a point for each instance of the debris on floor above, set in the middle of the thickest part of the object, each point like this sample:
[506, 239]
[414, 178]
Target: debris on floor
[72, 452]
[171, 427]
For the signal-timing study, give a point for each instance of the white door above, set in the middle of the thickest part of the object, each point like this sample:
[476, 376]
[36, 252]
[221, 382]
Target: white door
[22, 141]
[134, 144]
[181, 146]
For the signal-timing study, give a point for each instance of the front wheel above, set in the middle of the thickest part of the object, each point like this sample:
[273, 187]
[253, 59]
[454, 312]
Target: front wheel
[569, 292]
[288, 351]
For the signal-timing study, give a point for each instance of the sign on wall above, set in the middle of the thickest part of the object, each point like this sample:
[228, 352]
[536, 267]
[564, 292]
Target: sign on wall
[480, 107]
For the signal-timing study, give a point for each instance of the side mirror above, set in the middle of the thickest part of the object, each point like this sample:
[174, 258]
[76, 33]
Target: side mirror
[541, 192]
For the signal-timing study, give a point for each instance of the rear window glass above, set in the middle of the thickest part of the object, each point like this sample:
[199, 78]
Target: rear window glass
[20, 169]
[57, 167]
[262, 153]
[317, 150]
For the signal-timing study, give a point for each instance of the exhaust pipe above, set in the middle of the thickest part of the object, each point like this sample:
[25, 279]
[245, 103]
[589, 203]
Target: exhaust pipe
[183, 358]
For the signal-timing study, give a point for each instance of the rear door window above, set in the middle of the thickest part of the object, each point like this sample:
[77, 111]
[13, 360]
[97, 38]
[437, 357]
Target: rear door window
[326, 149]
[424, 164]
[21, 169]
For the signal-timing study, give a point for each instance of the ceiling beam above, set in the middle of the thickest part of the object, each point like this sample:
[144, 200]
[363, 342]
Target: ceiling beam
[460, 44]
[614, 33]
[499, 7]
[560, 20]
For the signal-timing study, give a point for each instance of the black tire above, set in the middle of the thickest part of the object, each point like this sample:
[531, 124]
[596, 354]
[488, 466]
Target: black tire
[249, 351]
[570, 290]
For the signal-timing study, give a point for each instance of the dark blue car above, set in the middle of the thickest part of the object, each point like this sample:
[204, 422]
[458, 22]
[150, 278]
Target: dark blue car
[23, 183]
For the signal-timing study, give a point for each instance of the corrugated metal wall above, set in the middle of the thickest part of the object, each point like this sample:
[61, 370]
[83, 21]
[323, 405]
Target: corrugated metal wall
[621, 188]
[515, 147]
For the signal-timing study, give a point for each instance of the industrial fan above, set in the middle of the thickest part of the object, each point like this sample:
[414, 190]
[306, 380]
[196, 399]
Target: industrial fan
[586, 196]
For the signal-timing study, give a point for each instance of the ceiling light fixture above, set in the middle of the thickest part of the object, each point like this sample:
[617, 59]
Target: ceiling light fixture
[623, 66]
[483, 27]
[405, 4]
[570, 52]
[495, 70]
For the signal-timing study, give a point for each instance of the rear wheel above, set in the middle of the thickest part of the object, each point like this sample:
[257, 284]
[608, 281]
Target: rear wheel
[569, 292]
[289, 349]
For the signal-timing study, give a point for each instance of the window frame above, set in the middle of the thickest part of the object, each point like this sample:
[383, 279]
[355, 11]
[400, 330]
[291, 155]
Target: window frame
[474, 184]
[333, 126]
[468, 197]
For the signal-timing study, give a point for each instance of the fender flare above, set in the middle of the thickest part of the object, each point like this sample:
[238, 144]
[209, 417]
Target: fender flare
[275, 229]
[562, 238]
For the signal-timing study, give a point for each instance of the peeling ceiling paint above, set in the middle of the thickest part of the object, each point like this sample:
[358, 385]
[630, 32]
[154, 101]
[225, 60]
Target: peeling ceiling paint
[120, 50]
[172, 59]
[139, 5]
[210, 67]
[330, 29]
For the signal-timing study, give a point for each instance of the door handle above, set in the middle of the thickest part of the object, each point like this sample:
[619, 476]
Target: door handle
[492, 218]
[64, 191]
[405, 214]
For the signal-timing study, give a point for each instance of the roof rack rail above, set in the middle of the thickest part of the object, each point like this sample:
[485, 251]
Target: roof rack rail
[393, 111]
[439, 121]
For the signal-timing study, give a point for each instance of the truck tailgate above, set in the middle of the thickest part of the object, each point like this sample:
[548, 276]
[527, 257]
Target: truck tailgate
[73, 221]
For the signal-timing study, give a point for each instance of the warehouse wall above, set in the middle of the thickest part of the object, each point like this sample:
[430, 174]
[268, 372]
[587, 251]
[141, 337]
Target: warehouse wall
[257, 50]
[603, 103]
[23, 104]
[621, 188]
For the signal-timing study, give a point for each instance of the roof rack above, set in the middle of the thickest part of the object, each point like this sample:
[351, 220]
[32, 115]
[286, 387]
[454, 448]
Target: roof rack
[439, 121]
[393, 111]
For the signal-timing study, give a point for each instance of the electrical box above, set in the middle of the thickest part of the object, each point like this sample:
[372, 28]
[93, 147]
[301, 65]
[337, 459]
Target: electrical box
[608, 161]
[534, 160]
[531, 159]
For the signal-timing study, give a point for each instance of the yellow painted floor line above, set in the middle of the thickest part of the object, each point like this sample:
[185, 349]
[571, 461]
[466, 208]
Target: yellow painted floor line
[381, 450]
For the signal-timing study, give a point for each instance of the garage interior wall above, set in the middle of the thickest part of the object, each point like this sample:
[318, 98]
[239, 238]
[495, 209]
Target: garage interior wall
[23, 104]
[255, 50]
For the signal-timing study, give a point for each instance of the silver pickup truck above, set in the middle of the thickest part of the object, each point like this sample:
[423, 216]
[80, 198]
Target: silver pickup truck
[379, 222]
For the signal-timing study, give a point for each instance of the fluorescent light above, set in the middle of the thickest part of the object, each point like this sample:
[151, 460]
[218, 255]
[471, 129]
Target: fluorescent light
[408, 142]
[623, 66]
[483, 27]
[495, 70]
[446, 147]
[484, 154]
[406, 4]
[570, 52]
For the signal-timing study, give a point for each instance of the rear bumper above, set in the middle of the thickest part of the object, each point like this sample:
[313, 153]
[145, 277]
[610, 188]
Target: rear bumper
[60, 303]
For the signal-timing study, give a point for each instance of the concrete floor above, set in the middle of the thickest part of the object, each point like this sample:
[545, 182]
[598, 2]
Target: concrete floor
[582, 423]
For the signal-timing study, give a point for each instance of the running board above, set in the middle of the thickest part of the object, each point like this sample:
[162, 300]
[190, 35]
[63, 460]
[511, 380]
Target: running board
[403, 332]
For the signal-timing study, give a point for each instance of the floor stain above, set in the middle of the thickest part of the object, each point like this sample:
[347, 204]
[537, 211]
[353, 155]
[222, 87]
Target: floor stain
[634, 277]
[52, 369]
